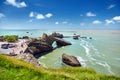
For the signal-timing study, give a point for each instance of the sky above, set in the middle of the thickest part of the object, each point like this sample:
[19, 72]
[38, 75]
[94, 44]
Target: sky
[60, 14]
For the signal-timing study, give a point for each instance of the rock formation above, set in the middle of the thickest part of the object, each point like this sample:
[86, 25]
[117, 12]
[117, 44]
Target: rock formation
[44, 43]
[61, 42]
[58, 35]
[75, 37]
[70, 60]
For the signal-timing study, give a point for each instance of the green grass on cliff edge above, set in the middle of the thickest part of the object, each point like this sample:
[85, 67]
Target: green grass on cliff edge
[13, 69]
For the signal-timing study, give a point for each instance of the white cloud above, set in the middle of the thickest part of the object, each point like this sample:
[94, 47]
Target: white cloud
[82, 24]
[109, 22]
[31, 14]
[40, 16]
[2, 15]
[16, 4]
[116, 18]
[65, 22]
[56, 22]
[48, 15]
[111, 6]
[90, 14]
[96, 22]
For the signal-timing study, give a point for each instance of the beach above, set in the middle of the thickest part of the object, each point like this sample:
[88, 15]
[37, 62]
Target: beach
[20, 47]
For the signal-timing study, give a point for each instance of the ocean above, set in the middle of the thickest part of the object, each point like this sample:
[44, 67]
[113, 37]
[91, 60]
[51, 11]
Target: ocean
[102, 52]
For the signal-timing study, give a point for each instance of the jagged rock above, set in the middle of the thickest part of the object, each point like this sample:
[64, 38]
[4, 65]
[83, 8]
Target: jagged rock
[70, 60]
[48, 39]
[58, 35]
[38, 47]
[44, 43]
[61, 42]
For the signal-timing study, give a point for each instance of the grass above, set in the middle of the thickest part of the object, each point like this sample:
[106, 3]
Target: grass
[13, 69]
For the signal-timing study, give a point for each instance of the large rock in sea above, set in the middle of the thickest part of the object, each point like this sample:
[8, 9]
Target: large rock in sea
[70, 60]
[61, 42]
[75, 37]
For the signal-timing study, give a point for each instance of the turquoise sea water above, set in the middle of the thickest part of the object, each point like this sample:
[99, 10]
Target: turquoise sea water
[102, 53]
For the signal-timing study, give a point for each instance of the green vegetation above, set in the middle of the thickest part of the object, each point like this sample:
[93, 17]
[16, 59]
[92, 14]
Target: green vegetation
[10, 38]
[25, 37]
[13, 69]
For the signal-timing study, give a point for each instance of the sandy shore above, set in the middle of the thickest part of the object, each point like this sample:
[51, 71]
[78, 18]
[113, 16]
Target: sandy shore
[20, 47]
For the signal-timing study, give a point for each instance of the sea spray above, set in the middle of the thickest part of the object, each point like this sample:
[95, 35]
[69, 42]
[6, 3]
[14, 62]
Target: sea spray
[81, 60]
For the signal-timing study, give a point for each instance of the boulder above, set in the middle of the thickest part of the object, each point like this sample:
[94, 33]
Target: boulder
[61, 42]
[70, 60]
[75, 37]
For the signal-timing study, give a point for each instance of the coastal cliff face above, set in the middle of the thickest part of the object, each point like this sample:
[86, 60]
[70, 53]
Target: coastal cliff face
[44, 44]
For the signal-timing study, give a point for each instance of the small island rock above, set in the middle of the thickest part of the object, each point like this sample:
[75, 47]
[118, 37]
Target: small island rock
[70, 60]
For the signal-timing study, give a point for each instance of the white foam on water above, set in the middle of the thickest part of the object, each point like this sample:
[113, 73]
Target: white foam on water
[106, 65]
[88, 46]
[63, 47]
[43, 57]
[43, 64]
[81, 60]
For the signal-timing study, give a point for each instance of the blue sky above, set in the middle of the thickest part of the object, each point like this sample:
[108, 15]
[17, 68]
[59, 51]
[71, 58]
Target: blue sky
[60, 14]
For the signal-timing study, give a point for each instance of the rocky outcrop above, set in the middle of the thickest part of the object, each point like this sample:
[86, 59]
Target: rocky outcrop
[38, 47]
[70, 60]
[28, 58]
[44, 43]
[61, 42]
[48, 39]
[58, 35]
[75, 37]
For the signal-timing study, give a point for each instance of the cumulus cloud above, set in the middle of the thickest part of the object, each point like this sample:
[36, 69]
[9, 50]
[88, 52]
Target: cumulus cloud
[16, 4]
[40, 16]
[109, 22]
[116, 18]
[48, 15]
[111, 6]
[96, 22]
[56, 22]
[2, 15]
[31, 14]
[90, 14]
[82, 24]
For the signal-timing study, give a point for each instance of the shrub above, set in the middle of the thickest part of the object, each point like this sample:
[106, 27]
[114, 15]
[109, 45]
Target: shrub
[25, 37]
[10, 38]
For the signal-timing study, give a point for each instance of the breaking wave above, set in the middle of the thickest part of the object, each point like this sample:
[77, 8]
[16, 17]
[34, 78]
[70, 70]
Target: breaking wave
[89, 48]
